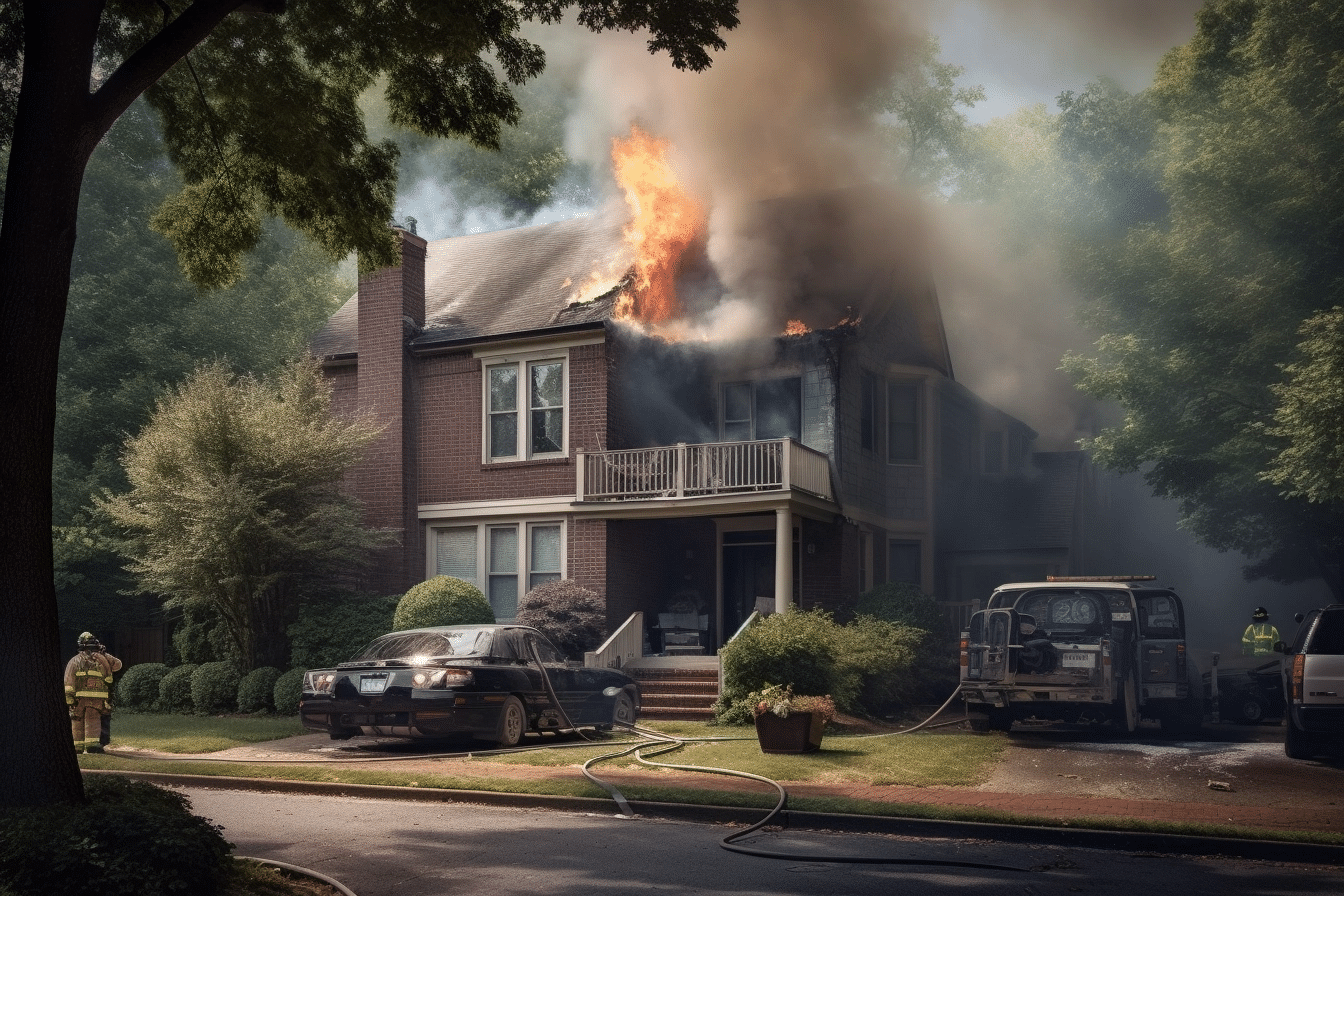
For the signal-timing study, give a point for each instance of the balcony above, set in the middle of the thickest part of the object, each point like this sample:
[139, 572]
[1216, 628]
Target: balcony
[703, 471]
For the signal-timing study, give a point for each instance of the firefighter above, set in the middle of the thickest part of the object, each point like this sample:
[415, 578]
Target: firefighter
[88, 693]
[1260, 637]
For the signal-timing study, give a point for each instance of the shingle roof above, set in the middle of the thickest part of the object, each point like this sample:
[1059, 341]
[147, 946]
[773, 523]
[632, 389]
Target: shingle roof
[501, 282]
[527, 279]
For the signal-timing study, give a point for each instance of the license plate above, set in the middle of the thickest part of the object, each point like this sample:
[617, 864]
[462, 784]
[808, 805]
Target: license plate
[1075, 659]
[372, 684]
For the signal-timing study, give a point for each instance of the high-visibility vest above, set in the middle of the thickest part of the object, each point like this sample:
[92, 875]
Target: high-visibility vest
[1259, 638]
[91, 680]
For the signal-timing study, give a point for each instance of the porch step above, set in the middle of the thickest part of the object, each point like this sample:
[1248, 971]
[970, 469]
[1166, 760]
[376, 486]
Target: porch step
[677, 688]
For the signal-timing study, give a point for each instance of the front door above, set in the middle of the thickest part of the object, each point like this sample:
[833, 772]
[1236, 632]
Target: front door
[749, 574]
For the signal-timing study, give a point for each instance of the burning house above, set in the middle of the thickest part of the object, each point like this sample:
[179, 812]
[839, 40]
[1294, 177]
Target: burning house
[556, 408]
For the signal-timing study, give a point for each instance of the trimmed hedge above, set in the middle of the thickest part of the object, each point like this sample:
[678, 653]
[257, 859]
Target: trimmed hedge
[441, 601]
[334, 630]
[288, 692]
[129, 839]
[904, 604]
[256, 692]
[175, 691]
[138, 687]
[573, 617]
[214, 688]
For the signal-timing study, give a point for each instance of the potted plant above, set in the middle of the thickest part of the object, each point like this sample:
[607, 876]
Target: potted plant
[789, 723]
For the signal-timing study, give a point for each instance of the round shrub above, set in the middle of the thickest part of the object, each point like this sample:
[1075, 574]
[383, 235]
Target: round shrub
[331, 631]
[256, 692]
[138, 688]
[288, 692]
[175, 691]
[904, 604]
[214, 688]
[881, 660]
[129, 839]
[797, 649]
[573, 617]
[441, 601]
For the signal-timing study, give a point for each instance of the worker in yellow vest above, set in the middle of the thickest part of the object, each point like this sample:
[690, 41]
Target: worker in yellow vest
[88, 693]
[1260, 637]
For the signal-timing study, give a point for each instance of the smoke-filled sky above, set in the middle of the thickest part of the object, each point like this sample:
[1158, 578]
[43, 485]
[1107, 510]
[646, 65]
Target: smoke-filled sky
[779, 114]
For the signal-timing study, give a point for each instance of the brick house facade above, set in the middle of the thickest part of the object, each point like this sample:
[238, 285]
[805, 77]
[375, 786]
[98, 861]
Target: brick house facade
[530, 435]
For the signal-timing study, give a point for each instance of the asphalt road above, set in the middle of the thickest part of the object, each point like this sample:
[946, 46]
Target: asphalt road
[396, 848]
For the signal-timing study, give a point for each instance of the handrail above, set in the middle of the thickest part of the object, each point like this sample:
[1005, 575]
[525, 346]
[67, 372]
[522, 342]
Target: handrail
[695, 470]
[746, 624]
[627, 641]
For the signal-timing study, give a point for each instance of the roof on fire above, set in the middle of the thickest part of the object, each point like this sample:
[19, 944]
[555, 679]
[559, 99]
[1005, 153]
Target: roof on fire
[526, 279]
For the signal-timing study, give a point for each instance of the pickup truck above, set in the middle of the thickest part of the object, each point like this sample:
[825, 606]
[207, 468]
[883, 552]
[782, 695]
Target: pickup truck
[1080, 651]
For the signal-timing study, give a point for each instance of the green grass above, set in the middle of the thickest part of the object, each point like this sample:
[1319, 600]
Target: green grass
[198, 734]
[920, 759]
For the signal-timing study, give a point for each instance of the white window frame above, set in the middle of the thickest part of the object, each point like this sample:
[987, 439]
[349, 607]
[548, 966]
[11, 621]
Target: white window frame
[524, 527]
[524, 361]
[752, 383]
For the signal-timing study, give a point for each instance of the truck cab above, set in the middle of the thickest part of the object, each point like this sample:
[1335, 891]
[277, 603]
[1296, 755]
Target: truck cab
[1080, 651]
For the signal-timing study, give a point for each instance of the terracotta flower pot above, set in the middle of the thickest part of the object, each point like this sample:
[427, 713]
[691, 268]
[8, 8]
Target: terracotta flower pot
[800, 733]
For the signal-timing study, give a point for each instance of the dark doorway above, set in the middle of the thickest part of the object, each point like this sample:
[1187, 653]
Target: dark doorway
[749, 573]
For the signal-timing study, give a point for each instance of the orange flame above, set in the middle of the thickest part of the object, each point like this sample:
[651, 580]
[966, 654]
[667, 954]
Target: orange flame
[665, 223]
[795, 327]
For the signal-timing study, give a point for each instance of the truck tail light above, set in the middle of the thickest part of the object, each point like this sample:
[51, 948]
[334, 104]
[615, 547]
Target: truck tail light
[965, 650]
[1299, 670]
[1180, 661]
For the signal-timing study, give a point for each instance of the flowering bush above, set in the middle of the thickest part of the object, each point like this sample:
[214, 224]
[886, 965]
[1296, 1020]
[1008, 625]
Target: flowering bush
[782, 702]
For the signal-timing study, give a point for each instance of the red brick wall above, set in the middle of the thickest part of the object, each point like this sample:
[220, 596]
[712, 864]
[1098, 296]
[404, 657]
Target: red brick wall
[449, 399]
[587, 559]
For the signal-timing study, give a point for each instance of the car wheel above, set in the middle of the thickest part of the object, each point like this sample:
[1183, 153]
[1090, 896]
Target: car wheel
[623, 710]
[1249, 709]
[1128, 707]
[1296, 743]
[512, 723]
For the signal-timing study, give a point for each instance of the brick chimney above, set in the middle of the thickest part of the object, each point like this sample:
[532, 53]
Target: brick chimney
[392, 310]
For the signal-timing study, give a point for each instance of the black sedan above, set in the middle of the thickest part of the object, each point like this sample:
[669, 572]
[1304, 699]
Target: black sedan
[489, 682]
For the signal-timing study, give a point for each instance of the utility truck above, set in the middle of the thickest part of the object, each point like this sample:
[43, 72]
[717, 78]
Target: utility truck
[1075, 651]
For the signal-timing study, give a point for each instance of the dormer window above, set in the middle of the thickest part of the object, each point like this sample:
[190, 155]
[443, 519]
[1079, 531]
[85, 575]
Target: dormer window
[763, 409]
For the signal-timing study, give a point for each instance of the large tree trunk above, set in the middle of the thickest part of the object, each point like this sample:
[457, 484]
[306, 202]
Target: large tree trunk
[46, 165]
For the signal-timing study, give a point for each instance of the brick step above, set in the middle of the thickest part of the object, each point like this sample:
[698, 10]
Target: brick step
[679, 686]
[689, 700]
[675, 714]
[686, 674]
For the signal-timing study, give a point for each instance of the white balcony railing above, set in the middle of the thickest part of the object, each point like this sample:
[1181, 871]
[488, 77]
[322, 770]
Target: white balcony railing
[622, 647]
[696, 470]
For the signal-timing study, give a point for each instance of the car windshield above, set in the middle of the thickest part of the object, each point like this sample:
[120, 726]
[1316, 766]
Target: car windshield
[420, 647]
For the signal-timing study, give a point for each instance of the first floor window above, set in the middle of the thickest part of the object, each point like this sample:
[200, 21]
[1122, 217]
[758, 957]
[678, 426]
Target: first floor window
[503, 592]
[503, 560]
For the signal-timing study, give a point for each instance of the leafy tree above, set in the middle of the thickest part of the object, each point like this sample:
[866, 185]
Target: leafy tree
[257, 102]
[234, 506]
[928, 133]
[1202, 303]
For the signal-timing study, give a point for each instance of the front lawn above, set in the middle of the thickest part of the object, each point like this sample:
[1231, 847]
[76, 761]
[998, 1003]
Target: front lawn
[919, 759]
[199, 734]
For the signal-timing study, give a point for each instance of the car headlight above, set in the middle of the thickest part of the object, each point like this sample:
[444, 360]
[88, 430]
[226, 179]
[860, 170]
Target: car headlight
[318, 682]
[441, 679]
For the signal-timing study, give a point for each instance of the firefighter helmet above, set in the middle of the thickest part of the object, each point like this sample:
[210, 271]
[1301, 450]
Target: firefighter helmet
[87, 640]
[1259, 615]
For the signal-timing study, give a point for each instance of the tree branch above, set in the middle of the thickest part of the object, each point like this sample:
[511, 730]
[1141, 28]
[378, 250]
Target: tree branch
[151, 62]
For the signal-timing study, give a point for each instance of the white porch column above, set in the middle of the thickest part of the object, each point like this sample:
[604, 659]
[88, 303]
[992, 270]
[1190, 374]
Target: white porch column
[783, 559]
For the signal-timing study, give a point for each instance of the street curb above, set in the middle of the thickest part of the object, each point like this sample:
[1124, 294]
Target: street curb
[714, 814]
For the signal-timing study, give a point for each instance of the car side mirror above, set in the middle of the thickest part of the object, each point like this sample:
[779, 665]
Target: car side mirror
[1297, 617]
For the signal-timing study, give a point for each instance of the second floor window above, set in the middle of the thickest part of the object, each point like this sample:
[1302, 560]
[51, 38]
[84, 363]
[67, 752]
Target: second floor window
[763, 409]
[525, 409]
[903, 422]
[868, 412]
